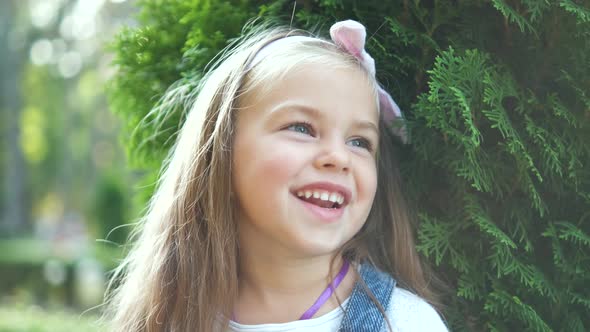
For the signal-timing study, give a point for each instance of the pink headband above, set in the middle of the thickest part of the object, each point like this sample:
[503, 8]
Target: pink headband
[350, 36]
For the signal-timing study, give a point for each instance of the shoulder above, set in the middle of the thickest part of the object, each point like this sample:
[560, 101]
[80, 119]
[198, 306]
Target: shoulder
[409, 312]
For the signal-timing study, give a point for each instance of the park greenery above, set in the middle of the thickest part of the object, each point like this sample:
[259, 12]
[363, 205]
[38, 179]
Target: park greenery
[496, 96]
[64, 182]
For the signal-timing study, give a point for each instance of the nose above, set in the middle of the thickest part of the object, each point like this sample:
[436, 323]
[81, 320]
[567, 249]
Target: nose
[333, 155]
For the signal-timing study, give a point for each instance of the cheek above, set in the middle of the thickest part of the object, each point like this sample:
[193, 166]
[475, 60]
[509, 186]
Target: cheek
[263, 174]
[369, 182]
[373, 184]
[275, 166]
[263, 167]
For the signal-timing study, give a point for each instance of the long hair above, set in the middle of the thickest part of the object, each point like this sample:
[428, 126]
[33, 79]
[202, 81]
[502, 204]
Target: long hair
[182, 272]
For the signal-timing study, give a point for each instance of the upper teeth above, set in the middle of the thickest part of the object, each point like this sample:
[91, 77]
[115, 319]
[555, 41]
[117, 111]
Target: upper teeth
[323, 195]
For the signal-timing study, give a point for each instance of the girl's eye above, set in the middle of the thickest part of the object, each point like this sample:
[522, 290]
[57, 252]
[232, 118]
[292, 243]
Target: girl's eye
[362, 143]
[303, 128]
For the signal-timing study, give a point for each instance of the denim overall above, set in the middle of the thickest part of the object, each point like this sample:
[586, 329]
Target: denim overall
[362, 315]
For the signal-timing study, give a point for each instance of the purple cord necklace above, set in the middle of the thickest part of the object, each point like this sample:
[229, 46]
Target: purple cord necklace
[327, 292]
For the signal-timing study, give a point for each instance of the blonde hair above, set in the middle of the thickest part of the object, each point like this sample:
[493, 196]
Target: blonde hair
[182, 272]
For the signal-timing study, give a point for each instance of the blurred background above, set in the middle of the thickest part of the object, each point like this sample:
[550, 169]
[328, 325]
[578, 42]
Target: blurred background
[65, 186]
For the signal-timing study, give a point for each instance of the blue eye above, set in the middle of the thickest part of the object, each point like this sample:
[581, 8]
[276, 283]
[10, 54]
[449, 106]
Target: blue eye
[362, 143]
[301, 127]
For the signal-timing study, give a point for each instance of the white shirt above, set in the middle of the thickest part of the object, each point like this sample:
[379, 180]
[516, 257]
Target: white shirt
[407, 312]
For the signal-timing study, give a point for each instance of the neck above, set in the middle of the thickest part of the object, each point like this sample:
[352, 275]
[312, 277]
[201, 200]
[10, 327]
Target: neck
[268, 273]
[276, 287]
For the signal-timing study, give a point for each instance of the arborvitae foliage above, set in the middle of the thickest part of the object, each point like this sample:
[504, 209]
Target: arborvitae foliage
[497, 99]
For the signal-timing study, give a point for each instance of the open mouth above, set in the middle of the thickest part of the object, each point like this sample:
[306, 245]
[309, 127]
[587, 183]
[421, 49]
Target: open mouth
[322, 199]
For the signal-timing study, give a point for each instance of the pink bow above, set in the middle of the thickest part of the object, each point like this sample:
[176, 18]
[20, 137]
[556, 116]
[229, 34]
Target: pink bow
[350, 35]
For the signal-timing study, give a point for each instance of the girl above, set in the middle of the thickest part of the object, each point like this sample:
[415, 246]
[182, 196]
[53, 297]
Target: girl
[280, 208]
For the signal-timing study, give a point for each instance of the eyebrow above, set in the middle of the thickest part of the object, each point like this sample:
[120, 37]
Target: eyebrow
[315, 113]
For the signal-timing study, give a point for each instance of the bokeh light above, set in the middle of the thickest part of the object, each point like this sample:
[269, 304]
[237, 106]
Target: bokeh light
[41, 52]
[69, 64]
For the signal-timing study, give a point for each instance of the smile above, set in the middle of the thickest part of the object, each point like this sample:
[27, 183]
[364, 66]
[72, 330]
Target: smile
[325, 199]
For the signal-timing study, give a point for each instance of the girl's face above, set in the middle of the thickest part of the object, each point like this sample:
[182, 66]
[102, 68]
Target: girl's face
[304, 167]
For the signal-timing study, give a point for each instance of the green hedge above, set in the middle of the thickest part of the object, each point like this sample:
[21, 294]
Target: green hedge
[22, 264]
[496, 95]
[35, 319]
[35, 252]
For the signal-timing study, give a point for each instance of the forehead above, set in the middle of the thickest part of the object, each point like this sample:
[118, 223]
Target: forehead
[337, 92]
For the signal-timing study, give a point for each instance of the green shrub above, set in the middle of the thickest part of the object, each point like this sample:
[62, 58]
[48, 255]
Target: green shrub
[109, 209]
